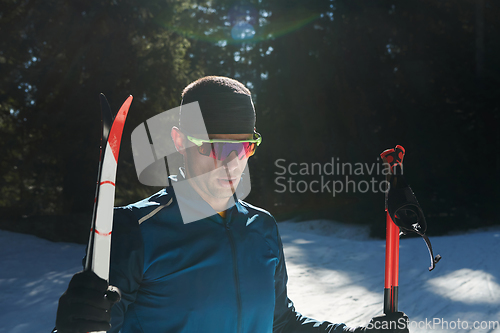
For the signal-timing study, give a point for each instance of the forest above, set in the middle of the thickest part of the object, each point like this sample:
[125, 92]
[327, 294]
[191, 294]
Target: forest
[334, 83]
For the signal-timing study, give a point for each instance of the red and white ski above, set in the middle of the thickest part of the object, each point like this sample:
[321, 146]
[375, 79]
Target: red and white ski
[99, 246]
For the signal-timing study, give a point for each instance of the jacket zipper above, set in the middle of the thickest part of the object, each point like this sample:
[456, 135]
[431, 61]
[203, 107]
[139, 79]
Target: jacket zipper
[235, 270]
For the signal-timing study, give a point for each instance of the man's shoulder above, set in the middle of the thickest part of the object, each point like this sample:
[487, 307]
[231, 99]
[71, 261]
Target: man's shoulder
[262, 213]
[254, 209]
[139, 210]
[263, 222]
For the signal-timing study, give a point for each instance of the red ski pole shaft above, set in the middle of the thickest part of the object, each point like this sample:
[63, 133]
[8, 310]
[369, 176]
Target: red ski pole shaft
[392, 157]
[391, 266]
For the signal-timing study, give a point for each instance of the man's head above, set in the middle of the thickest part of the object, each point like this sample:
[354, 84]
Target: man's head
[228, 115]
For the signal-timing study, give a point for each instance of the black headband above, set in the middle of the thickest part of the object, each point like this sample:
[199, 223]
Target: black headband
[223, 113]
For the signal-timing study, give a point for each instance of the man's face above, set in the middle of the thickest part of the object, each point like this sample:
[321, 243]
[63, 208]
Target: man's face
[214, 178]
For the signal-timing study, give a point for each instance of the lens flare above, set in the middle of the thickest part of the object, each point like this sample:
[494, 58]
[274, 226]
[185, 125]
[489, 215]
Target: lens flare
[242, 30]
[240, 23]
[242, 18]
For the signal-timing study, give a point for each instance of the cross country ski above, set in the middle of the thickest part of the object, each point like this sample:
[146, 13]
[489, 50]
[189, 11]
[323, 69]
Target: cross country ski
[99, 245]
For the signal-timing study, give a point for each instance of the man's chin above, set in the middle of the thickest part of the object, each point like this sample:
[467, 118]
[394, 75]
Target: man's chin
[224, 188]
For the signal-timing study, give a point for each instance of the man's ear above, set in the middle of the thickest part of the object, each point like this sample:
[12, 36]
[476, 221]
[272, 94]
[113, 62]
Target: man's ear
[179, 140]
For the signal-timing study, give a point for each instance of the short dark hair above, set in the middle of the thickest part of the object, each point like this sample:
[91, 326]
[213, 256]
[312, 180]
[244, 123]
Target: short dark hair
[214, 84]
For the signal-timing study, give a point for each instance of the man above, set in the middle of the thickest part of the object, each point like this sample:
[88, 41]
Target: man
[222, 272]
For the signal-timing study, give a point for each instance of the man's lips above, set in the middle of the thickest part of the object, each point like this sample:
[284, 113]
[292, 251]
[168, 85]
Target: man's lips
[227, 179]
[225, 182]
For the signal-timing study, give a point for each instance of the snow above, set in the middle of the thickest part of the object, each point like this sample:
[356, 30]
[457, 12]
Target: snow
[336, 273]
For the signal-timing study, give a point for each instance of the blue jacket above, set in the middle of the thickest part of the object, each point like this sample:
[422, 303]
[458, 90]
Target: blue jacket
[220, 275]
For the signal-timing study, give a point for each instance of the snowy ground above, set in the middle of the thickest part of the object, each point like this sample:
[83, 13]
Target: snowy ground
[335, 273]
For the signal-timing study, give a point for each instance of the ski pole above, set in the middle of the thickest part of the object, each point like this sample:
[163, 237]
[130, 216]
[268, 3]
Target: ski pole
[403, 215]
[393, 157]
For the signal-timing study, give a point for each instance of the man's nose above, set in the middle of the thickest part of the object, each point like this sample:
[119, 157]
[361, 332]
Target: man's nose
[232, 161]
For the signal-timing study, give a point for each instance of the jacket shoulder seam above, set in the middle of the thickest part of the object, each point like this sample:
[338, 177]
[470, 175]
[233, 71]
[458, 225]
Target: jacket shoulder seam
[155, 211]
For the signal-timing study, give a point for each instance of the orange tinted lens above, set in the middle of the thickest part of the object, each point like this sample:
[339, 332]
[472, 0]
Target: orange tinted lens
[250, 149]
[205, 149]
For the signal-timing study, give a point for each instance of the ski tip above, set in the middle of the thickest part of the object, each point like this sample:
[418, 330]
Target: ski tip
[117, 128]
[102, 97]
[106, 112]
[126, 105]
[104, 101]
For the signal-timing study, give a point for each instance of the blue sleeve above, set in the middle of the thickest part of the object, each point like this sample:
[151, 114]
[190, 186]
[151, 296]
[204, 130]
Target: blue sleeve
[126, 263]
[286, 319]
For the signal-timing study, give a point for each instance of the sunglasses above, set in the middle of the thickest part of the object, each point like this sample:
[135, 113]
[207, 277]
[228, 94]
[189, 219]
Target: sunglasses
[220, 149]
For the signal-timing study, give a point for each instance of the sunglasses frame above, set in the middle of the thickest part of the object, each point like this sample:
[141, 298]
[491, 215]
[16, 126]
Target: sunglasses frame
[199, 142]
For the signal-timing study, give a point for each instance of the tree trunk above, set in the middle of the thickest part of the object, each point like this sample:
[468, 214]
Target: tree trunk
[479, 40]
